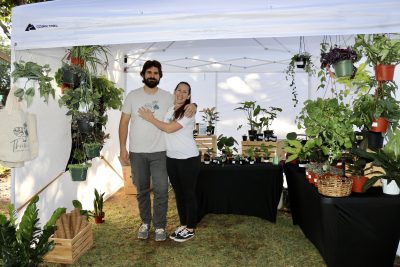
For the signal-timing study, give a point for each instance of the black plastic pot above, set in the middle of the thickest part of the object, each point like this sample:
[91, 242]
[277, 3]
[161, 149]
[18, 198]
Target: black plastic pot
[375, 140]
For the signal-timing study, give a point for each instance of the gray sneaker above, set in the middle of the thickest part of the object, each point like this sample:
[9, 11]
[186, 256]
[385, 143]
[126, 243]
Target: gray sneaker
[161, 235]
[143, 232]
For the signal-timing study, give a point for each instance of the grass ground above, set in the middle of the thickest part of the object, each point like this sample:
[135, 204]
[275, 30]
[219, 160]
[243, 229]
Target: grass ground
[221, 240]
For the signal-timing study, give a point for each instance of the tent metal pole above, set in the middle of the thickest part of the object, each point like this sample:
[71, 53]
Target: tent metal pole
[309, 86]
[216, 98]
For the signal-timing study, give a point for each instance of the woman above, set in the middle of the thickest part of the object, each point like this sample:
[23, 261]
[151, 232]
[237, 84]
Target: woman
[183, 160]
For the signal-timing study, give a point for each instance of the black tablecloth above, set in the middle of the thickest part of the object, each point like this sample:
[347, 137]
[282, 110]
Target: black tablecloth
[359, 230]
[239, 189]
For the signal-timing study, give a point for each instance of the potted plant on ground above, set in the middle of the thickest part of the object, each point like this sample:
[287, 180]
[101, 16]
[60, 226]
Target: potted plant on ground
[25, 243]
[28, 73]
[342, 60]
[210, 116]
[251, 110]
[98, 203]
[381, 51]
[303, 61]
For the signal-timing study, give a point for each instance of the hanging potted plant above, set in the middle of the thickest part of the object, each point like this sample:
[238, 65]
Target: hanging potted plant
[342, 60]
[381, 51]
[29, 73]
[210, 116]
[302, 61]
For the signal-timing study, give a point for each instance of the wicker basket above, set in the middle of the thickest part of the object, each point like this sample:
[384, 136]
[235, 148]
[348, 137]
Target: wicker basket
[335, 186]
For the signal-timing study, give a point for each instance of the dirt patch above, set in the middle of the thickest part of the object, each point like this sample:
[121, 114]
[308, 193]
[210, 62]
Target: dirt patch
[5, 187]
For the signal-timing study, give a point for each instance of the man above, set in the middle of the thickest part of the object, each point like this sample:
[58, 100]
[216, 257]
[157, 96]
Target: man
[147, 154]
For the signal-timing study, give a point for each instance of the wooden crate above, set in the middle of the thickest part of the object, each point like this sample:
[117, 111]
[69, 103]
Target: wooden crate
[206, 141]
[129, 187]
[278, 146]
[67, 251]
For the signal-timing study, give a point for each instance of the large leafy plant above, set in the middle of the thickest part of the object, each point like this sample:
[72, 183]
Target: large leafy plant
[25, 244]
[251, 110]
[329, 123]
[33, 72]
[379, 48]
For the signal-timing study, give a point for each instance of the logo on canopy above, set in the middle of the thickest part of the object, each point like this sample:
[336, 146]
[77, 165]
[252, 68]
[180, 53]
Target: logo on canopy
[30, 27]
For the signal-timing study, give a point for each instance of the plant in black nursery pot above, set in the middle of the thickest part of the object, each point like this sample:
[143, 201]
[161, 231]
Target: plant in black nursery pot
[301, 61]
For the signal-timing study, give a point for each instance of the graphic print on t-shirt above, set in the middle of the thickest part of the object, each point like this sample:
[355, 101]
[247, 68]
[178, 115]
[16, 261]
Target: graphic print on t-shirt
[153, 106]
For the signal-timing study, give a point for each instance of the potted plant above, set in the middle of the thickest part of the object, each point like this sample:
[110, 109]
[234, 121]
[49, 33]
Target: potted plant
[98, 203]
[299, 151]
[381, 51]
[88, 57]
[25, 243]
[29, 73]
[78, 171]
[268, 115]
[388, 159]
[251, 110]
[210, 116]
[250, 155]
[303, 61]
[356, 169]
[342, 60]
[329, 123]
[92, 149]
[265, 149]
[208, 155]
[226, 146]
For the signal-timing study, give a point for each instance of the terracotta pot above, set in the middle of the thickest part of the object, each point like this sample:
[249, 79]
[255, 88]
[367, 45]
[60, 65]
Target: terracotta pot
[77, 61]
[379, 125]
[358, 183]
[99, 219]
[384, 72]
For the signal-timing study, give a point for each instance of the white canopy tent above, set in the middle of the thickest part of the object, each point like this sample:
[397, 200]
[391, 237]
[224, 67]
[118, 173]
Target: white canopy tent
[213, 41]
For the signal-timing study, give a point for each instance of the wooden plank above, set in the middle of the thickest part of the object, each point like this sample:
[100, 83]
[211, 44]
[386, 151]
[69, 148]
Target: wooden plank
[278, 146]
[205, 142]
[67, 251]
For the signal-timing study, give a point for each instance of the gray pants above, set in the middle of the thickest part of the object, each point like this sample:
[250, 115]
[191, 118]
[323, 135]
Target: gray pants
[144, 166]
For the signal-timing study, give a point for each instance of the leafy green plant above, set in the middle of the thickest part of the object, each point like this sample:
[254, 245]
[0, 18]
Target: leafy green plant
[210, 116]
[379, 48]
[25, 244]
[290, 71]
[250, 153]
[267, 116]
[251, 110]
[98, 203]
[337, 54]
[88, 57]
[329, 122]
[226, 144]
[33, 72]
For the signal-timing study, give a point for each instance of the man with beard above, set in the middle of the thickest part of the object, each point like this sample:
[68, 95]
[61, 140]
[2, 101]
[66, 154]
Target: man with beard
[147, 147]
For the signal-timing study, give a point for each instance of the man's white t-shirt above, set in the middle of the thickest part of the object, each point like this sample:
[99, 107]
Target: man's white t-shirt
[180, 144]
[144, 137]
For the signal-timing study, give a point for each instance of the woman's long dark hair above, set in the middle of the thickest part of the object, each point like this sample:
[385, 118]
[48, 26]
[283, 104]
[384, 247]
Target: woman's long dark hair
[178, 114]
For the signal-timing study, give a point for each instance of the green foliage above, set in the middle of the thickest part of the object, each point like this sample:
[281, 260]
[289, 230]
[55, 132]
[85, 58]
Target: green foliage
[268, 115]
[251, 110]
[210, 116]
[379, 48]
[290, 71]
[329, 122]
[226, 144]
[98, 203]
[26, 244]
[90, 56]
[360, 84]
[33, 72]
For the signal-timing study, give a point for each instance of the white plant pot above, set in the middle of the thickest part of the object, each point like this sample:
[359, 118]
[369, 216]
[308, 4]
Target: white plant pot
[391, 188]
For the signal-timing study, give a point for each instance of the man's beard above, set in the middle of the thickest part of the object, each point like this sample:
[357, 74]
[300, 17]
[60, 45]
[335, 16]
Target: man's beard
[150, 82]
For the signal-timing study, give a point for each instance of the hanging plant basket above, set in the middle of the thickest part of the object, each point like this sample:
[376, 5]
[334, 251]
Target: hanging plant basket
[92, 150]
[78, 172]
[384, 72]
[344, 68]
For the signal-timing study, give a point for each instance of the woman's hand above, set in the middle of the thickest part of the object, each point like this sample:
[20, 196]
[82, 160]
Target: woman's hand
[146, 114]
[190, 110]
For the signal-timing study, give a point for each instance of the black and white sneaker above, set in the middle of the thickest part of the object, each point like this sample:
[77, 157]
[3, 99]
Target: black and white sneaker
[176, 232]
[184, 235]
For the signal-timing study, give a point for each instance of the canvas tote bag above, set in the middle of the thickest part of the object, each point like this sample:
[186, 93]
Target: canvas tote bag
[18, 135]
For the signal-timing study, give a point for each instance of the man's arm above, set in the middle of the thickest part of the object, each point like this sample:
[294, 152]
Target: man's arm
[123, 135]
[163, 126]
[190, 110]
